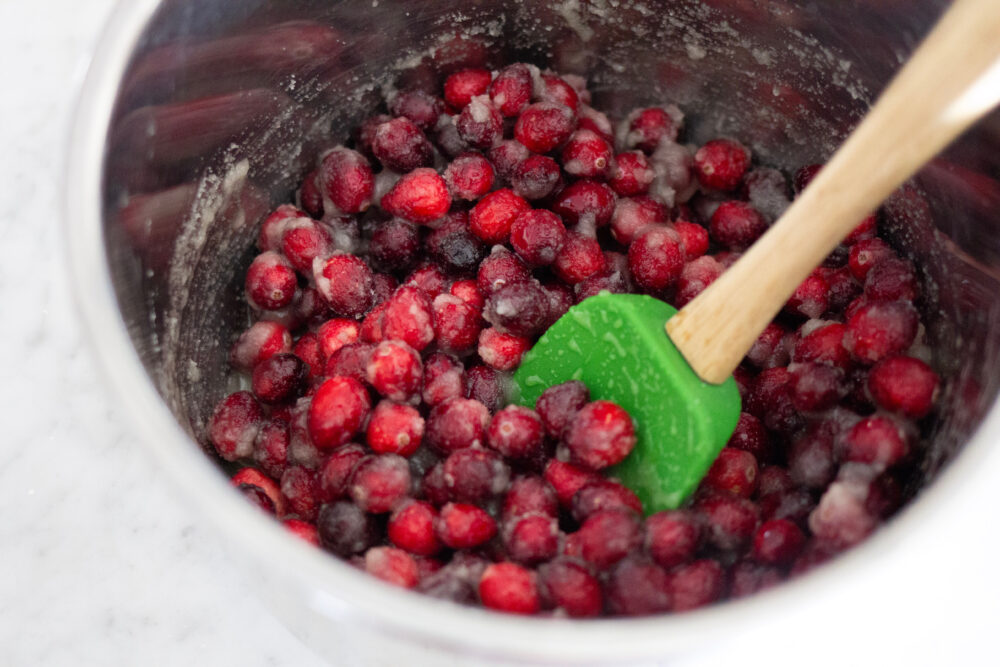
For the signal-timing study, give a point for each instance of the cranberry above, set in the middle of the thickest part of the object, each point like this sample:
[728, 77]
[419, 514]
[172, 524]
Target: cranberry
[516, 432]
[411, 527]
[279, 379]
[456, 324]
[488, 386]
[474, 475]
[810, 298]
[721, 163]
[568, 587]
[456, 424]
[878, 330]
[380, 483]
[647, 127]
[543, 126]
[696, 585]
[736, 225]
[311, 308]
[824, 345]
[747, 577]
[336, 471]
[463, 526]
[694, 239]
[454, 247]
[510, 588]
[751, 436]
[591, 119]
[637, 587]
[461, 87]
[234, 425]
[866, 254]
[418, 106]
[579, 258]
[300, 489]
[335, 334]
[345, 529]
[395, 245]
[393, 566]
[395, 429]
[767, 190]
[656, 258]
[631, 174]
[561, 298]
[469, 177]
[530, 495]
[401, 146]
[420, 196]
[587, 202]
[603, 494]
[521, 309]
[270, 449]
[672, 537]
[429, 279]
[843, 287]
[774, 479]
[695, 277]
[536, 236]
[778, 542]
[349, 361]
[905, 385]
[409, 317]
[270, 281]
[502, 351]
[458, 581]
[511, 89]
[273, 228]
[501, 267]
[805, 175]
[729, 521]
[816, 387]
[600, 435]
[534, 177]
[770, 400]
[532, 539]
[347, 284]
[365, 134]
[261, 489]
[559, 404]
[262, 340]
[866, 229]
[492, 217]
[841, 519]
[444, 378]
[311, 197]
[735, 471]
[877, 440]
[811, 460]
[347, 180]
[304, 242]
[507, 155]
[480, 124]
[567, 479]
[556, 89]
[607, 536]
[468, 291]
[302, 530]
[586, 155]
[338, 409]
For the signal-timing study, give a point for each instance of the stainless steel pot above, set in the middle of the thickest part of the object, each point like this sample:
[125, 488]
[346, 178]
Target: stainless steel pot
[198, 115]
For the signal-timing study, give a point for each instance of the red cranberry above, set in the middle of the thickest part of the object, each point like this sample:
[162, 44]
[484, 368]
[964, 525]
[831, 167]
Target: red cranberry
[345, 529]
[395, 245]
[311, 197]
[395, 429]
[878, 330]
[866, 229]
[804, 176]
[418, 106]
[488, 386]
[823, 345]
[843, 287]
[456, 324]
[561, 299]
[637, 587]
[511, 89]
[420, 196]
[336, 471]
[349, 361]
[585, 201]
[770, 400]
[474, 475]
[409, 318]
[261, 489]
[311, 308]
[696, 585]
[721, 163]
[656, 258]
[444, 378]
[302, 530]
[905, 385]
[633, 215]
[769, 350]
[734, 471]
[778, 542]
[347, 284]
[591, 119]
[336, 333]
[729, 521]
[411, 527]
[401, 146]
[454, 247]
[600, 435]
[604, 494]
[568, 587]
[393, 566]
[556, 89]
[567, 479]
[579, 258]
[395, 370]
[530, 495]
[429, 279]
[279, 379]
[338, 409]
[480, 123]
[469, 292]
[608, 536]
[866, 254]
[234, 425]
[841, 519]
[694, 239]
[891, 280]
[510, 588]
[501, 267]
[365, 134]
[877, 440]
[586, 155]
[469, 177]
[751, 436]
[695, 277]
[300, 489]
[262, 340]
[273, 228]
[631, 174]
[559, 404]
[502, 351]
[811, 460]
[347, 180]
[810, 298]
[816, 387]
[303, 242]
[492, 217]
[736, 225]
[380, 483]
[537, 235]
[461, 87]
[270, 281]
[464, 526]
[543, 126]
[532, 539]
[747, 577]
[672, 537]
[271, 447]
[516, 432]
[456, 424]
[647, 127]
[507, 155]
[534, 177]
[774, 479]
[521, 309]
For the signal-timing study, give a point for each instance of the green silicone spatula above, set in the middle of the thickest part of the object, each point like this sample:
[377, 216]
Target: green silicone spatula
[672, 370]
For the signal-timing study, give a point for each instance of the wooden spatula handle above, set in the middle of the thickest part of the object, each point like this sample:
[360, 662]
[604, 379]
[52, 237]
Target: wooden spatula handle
[951, 81]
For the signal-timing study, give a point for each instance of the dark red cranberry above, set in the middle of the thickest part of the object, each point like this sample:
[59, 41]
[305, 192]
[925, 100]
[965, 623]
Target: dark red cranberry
[365, 134]
[311, 196]
[537, 235]
[774, 479]
[543, 126]
[461, 87]
[444, 378]
[631, 174]
[262, 340]
[823, 345]
[905, 385]
[804, 176]
[696, 585]
[747, 577]
[457, 581]
[769, 350]
[393, 566]
[380, 483]
[511, 89]
[866, 254]
[492, 217]
[474, 475]
[604, 494]
[401, 146]
[418, 106]
[778, 542]
[555, 89]
[695, 277]
[794, 504]
[279, 379]
[816, 387]
[561, 298]
[751, 436]
[647, 127]
[395, 245]
[454, 247]
[456, 424]
[600, 435]
[234, 425]
[534, 177]
[501, 267]
[270, 281]
[261, 490]
[586, 155]
[469, 176]
[694, 239]
[300, 488]
[421, 196]
[568, 587]
[730, 521]
[272, 230]
[843, 288]
[638, 587]
[579, 258]
[810, 299]
[304, 242]
[608, 536]
[335, 472]
[510, 588]
[338, 409]
[345, 529]
[347, 284]
[488, 386]
[429, 279]
[531, 539]
[734, 471]
[347, 180]
[271, 447]
[395, 429]
[891, 280]
[811, 460]
[877, 440]
[516, 432]
[409, 317]
[721, 163]
[879, 330]
[464, 526]
[521, 309]
[736, 225]
[502, 351]
[311, 308]
[480, 124]
[770, 400]
[530, 495]
[672, 537]
[655, 258]
[567, 479]
[585, 201]
[507, 155]
[349, 361]
[559, 404]
[412, 527]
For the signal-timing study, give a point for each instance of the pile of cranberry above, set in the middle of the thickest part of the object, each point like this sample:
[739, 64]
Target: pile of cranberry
[420, 265]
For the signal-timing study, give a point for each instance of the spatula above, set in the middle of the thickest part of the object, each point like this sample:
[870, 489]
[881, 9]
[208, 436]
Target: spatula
[677, 385]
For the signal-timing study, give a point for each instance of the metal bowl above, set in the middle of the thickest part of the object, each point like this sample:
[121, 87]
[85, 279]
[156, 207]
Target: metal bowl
[197, 116]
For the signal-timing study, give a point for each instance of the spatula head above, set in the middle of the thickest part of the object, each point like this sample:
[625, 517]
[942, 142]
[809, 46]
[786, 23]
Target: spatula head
[617, 346]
